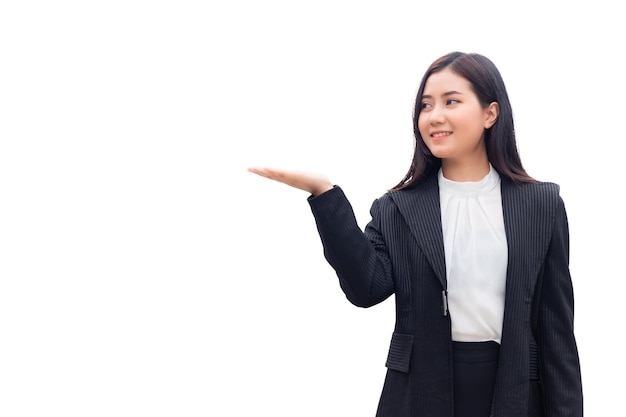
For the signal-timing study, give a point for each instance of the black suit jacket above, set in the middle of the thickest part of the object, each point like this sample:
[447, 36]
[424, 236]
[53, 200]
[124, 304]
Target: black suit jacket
[401, 252]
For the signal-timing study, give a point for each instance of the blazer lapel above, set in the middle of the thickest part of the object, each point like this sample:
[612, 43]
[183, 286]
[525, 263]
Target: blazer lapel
[421, 210]
[527, 234]
[512, 207]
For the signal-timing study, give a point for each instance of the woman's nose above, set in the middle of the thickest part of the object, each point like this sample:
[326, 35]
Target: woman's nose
[437, 115]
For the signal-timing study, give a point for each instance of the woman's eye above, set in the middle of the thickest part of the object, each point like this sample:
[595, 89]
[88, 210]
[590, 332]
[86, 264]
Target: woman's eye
[452, 101]
[426, 105]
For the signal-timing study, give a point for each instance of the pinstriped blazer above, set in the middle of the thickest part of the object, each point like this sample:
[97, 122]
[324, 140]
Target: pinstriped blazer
[401, 252]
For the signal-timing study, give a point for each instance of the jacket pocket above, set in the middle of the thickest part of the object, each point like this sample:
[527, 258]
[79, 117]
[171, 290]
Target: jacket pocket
[399, 357]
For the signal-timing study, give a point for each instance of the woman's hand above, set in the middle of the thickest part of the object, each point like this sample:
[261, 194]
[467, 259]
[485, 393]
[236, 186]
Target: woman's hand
[313, 183]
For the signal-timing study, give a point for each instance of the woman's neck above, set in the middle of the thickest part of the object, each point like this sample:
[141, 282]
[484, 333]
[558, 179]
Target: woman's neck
[465, 172]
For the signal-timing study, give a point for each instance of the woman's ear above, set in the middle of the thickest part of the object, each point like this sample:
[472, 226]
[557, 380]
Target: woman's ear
[491, 113]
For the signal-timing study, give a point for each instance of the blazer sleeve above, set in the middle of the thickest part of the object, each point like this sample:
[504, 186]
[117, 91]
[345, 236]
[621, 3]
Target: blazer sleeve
[360, 258]
[560, 367]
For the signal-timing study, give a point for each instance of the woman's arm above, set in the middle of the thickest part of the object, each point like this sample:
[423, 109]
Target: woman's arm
[359, 258]
[560, 367]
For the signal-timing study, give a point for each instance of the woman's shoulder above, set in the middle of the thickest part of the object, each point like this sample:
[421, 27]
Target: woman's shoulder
[535, 186]
[543, 195]
[384, 202]
[545, 188]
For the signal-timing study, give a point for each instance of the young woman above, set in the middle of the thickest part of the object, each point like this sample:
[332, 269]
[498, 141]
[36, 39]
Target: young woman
[475, 251]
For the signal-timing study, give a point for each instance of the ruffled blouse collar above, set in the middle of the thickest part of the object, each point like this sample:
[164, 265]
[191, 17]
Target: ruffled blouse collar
[469, 188]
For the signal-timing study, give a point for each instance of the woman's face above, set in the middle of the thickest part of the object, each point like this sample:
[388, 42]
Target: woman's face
[451, 121]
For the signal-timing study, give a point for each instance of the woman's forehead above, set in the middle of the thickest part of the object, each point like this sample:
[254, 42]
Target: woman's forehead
[444, 81]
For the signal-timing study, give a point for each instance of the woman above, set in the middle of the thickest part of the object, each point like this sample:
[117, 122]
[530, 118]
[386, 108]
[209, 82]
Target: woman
[475, 251]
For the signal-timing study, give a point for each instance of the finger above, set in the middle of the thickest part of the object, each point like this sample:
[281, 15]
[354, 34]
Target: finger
[255, 170]
[274, 174]
[264, 172]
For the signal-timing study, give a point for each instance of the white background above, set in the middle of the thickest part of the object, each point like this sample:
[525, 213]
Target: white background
[144, 272]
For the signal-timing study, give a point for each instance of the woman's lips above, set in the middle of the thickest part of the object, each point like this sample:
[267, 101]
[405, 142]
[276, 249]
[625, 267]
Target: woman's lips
[440, 135]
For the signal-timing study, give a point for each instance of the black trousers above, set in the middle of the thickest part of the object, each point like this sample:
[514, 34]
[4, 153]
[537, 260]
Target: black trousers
[475, 366]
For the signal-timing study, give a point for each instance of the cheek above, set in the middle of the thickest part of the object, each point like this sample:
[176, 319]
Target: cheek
[423, 127]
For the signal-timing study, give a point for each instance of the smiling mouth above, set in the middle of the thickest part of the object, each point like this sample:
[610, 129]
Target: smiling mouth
[440, 135]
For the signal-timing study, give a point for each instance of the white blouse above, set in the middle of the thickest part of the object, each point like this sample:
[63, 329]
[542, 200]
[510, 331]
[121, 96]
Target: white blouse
[476, 256]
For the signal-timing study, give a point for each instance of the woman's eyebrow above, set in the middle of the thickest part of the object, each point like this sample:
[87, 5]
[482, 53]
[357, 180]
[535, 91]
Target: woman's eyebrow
[446, 94]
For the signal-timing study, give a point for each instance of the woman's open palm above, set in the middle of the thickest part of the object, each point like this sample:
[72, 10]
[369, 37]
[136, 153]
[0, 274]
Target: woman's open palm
[310, 182]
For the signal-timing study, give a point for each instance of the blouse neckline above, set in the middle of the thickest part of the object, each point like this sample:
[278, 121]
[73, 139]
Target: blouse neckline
[469, 188]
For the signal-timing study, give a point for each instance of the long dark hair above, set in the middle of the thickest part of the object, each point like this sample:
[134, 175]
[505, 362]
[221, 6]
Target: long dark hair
[488, 86]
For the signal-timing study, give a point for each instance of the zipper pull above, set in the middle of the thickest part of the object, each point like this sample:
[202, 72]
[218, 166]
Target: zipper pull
[444, 297]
